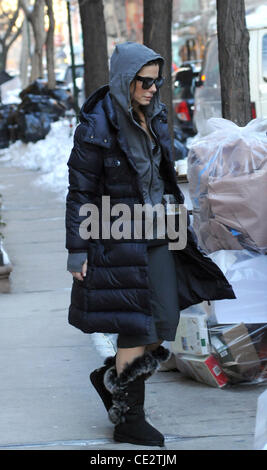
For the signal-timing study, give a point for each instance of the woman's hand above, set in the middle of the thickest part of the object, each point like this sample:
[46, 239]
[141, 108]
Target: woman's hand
[81, 275]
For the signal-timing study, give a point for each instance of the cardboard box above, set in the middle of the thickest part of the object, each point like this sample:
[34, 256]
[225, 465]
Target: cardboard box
[236, 351]
[204, 369]
[192, 335]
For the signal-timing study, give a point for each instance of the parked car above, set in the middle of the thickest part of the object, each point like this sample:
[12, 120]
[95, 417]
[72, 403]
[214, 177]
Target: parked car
[183, 95]
[208, 88]
[79, 71]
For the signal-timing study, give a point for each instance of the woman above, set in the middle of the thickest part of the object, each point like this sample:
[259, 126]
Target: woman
[135, 287]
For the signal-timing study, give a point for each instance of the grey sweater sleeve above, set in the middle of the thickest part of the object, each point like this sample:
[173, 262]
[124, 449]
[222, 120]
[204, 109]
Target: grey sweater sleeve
[75, 261]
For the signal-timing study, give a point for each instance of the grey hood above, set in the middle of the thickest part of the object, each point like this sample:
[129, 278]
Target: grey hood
[127, 59]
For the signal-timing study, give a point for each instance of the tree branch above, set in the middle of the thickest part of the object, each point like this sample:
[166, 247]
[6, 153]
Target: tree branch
[18, 32]
[11, 23]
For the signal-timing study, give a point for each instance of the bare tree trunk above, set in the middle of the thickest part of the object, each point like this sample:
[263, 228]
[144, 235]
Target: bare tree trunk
[3, 56]
[50, 46]
[233, 46]
[94, 44]
[37, 21]
[157, 36]
[24, 56]
[36, 18]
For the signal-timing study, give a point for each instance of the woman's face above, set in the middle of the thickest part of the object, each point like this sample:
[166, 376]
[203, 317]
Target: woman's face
[138, 95]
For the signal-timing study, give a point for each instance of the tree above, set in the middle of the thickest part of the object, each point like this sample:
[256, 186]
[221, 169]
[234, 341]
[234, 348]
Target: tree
[94, 44]
[157, 36]
[8, 23]
[50, 59]
[233, 47]
[35, 16]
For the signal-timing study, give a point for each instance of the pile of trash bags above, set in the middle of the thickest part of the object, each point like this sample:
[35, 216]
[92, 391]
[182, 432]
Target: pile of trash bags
[31, 119]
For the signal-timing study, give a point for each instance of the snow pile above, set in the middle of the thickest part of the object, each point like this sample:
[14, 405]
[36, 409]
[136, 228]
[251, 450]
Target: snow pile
[49, 156]
[12, 96]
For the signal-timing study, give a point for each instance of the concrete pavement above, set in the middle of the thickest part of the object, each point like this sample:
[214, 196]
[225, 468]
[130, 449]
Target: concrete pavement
[47, 400]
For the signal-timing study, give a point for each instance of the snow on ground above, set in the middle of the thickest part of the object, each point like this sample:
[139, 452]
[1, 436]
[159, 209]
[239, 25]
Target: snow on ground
[49, 155]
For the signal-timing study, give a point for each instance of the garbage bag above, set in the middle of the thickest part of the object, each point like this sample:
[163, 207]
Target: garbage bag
[32, 127]
[246, 271]
[6, 113]
[227, 174]
[64, 97]
[37, 87]
[43, 104]
[4, 135]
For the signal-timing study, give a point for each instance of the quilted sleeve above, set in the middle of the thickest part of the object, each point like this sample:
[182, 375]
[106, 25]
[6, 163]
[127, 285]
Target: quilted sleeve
[85, 168]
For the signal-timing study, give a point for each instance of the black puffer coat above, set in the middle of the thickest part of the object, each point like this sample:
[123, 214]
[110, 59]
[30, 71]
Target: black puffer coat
[114, 296]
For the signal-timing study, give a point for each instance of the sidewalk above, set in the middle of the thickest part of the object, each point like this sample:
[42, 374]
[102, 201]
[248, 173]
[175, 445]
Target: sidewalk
[47, 400]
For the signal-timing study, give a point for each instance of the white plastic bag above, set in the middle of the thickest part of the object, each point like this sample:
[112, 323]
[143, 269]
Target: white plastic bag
[227, 174]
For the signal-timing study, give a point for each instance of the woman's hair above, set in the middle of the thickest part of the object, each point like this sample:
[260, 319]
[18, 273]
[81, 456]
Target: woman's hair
[136, 116]
[153, 62]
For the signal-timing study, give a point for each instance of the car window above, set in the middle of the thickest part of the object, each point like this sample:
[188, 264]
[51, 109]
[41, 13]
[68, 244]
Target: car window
[78, 73]
[264, 57]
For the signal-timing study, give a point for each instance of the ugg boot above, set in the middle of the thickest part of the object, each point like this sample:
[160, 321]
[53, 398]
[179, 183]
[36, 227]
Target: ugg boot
[128, 396]
[97, 377]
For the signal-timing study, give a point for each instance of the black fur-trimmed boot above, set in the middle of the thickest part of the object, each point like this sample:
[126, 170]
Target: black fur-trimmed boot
[128, 396]
[97, 377]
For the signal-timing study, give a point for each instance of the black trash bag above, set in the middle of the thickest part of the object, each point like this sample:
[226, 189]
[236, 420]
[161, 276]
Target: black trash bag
[42, 104]
[4, 135]
[32, 126]
[63, 96]
[5, 111]
[12, 124]
[38, 87]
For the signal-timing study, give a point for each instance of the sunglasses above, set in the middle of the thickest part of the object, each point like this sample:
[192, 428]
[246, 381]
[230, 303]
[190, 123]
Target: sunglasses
[147, 82]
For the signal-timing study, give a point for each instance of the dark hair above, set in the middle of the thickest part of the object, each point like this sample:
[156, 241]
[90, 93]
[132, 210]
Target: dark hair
[136, 116]
[153, 62]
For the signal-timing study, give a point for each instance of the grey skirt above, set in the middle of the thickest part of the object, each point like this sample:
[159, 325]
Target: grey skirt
[164, 297]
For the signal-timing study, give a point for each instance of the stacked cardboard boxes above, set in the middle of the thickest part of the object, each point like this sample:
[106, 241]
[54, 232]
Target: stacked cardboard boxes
[192, 348]
[217, 355]
[237, 354]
